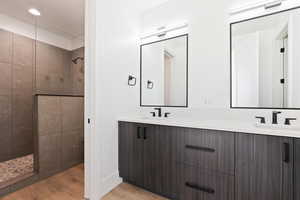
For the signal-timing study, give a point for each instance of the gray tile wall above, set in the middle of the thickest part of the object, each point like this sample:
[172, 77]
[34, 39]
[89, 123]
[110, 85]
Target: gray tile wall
[19, 80]
[60, 133]
[78, 73]
[55, 72]
[16, 95]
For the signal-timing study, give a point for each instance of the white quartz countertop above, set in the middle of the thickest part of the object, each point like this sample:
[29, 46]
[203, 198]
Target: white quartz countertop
[222, 125]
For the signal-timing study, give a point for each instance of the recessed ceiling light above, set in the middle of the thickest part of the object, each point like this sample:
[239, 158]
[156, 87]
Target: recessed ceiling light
[34, 12]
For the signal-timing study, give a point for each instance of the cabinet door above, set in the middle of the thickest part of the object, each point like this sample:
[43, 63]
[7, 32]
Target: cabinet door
[124, 140]
[136, 156]
[158, 165]
[131, 153]
[297, 169]
[264, 167]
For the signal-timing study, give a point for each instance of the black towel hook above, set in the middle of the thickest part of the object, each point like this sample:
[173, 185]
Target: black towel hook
[131, 80]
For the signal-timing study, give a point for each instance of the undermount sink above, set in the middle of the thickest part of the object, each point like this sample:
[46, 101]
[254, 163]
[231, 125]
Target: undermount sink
[278, 127]
[155, 118]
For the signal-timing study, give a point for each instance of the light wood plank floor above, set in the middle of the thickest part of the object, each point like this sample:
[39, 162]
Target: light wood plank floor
[69, 186]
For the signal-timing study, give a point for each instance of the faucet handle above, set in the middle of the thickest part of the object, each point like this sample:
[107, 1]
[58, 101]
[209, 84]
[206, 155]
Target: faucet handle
[153, 114]
[167, 114]
[262, 119]
[288, 121]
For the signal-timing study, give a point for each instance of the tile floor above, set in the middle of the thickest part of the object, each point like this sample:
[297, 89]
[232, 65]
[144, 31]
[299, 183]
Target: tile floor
[15, 169]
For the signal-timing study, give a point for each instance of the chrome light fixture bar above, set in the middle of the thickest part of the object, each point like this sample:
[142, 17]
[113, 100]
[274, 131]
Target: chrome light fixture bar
[273, 4]
[162, 31]
[267, 4]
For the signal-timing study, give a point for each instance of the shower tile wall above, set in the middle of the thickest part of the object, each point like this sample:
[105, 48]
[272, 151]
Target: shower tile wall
[22, 96]
[60, 129]
[16, 90]
[78, 72]
[55, 75]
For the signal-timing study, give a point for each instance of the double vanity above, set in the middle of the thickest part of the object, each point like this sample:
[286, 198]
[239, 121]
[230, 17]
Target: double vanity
[219, 160]
[215, 160]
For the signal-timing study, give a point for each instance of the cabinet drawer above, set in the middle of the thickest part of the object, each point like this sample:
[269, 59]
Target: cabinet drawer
[207, 149]
[195, 184]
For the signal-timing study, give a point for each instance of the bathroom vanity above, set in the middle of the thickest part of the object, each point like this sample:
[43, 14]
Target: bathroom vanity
[228, 162]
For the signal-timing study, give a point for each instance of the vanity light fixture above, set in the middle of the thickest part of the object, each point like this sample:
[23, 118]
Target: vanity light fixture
[131, 80]
[150, 84]
[34, 12]
[273, 4]
[162, 31]
[266, 4]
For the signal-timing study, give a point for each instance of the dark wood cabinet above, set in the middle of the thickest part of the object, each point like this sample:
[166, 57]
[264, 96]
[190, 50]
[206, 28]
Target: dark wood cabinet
[196, 164]
[197, 184]
[145, 157]
[297, 169]
[158, 163]
[264, 167]
[131, 153]
[206, 149]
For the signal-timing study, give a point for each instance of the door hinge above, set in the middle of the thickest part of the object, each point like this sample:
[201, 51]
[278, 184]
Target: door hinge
[89, 120]
[282, 50]
[282, 81]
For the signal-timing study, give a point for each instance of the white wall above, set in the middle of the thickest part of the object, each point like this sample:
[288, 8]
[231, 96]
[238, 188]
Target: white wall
[245, 64]
[267, 62]
[208, 53]
[153, 66]
[178, 74]
[113, 53]
[153, 70]
[209, 74]
[294, 59]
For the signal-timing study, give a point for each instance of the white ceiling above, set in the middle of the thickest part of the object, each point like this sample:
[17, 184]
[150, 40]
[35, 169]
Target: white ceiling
[65, 17]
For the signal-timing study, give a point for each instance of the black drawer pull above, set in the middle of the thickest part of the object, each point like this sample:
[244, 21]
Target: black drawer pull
[286, 152]
[200, 188]
[200, 148]
[139, 132]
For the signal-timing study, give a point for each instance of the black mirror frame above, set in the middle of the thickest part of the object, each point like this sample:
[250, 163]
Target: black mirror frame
[230, 35]
[187, 72]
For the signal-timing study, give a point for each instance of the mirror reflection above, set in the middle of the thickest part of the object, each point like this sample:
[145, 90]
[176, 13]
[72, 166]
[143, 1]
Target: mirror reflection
[265, 61]
[164, 72]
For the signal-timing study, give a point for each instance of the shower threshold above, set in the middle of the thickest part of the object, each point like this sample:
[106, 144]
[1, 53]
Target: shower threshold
[16, 170]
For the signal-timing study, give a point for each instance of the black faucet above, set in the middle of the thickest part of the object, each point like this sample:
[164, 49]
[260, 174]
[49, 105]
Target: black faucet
[159, 111]
[288, 121]
[275, 117]
[262, 119]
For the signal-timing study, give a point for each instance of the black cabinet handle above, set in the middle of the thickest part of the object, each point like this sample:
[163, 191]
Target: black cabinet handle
[198, 148]
[286, 152]
[139, 133]
[145, 133]
[200, 188]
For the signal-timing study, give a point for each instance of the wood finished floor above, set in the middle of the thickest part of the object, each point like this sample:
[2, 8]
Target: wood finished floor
[69, 186]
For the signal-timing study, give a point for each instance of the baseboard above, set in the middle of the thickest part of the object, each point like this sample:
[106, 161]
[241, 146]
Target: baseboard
[110, 182]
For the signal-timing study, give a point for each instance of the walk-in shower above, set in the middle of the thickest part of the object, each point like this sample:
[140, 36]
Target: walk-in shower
[41, 91]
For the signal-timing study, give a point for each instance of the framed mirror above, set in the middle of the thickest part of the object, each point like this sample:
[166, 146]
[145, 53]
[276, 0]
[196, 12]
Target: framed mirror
[265, 61]
[164, 73]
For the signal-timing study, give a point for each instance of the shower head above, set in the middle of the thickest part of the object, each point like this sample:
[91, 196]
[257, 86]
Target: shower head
[75, 61]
